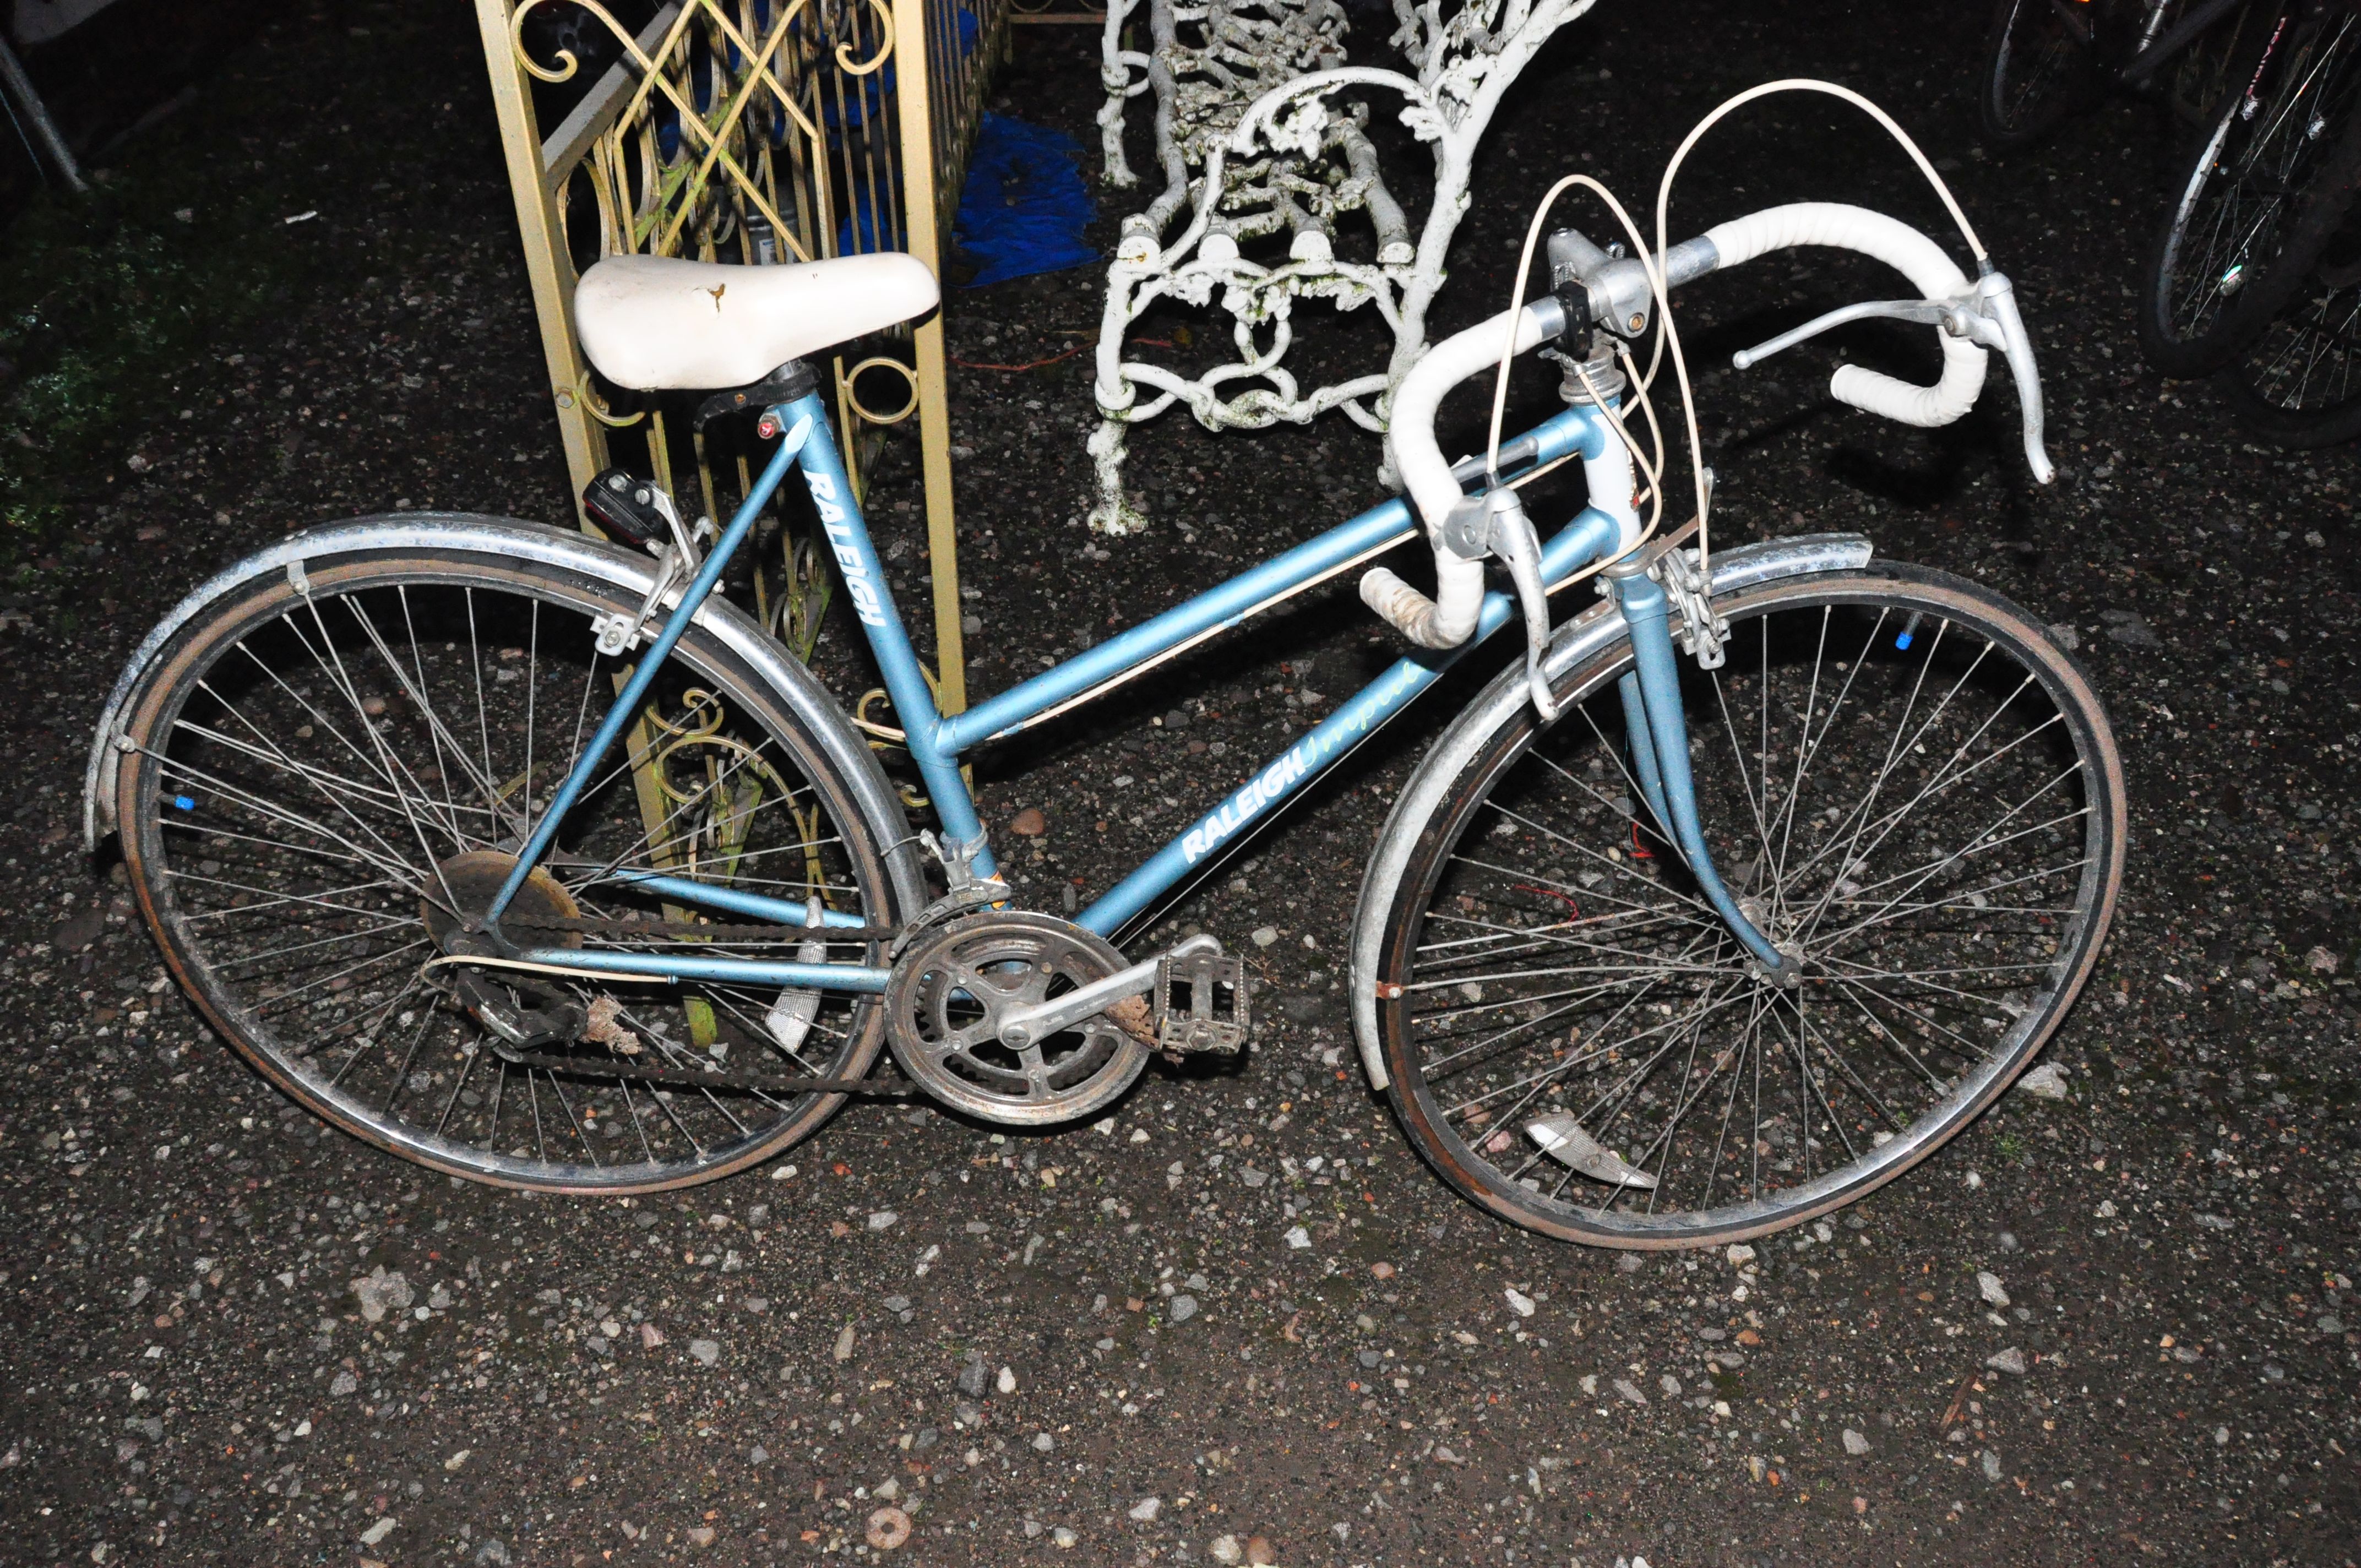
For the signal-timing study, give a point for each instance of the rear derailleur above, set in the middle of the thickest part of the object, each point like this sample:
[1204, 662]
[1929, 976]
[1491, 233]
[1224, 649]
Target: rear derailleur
[520, 1018]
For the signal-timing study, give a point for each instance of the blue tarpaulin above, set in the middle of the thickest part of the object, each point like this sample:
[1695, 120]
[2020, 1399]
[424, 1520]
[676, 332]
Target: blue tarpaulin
[1024, 207]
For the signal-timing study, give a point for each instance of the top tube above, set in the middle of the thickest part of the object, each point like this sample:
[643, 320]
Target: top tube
[1563, 434]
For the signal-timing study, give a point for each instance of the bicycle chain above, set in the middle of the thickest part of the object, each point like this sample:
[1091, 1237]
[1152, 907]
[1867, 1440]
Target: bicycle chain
[584, 926]
[610, 1068]
[607, 1068]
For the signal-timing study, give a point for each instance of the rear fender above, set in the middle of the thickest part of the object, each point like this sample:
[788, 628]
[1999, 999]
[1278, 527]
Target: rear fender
[510, 539]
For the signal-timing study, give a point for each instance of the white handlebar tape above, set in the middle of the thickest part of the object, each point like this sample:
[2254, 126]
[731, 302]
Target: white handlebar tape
[1449, 619]
[1934, 274]
[1443, 621]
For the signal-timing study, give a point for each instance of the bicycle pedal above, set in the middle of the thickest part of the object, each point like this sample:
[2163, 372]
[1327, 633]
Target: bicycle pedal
[1201, 1003]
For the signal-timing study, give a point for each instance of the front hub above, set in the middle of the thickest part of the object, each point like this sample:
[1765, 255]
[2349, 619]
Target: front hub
[1790, 973]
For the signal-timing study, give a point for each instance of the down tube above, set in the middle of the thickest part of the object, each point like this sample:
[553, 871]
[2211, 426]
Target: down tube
[1589, 535]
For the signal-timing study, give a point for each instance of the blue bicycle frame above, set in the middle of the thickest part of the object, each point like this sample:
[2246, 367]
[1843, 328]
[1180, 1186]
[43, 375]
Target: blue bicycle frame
[937, 743]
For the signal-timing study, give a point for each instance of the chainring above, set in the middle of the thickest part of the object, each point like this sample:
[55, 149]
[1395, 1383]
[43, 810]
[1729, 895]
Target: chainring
[950, 991]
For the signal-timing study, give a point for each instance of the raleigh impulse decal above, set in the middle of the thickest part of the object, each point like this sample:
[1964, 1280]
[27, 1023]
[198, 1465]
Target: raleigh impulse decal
[1344, 728]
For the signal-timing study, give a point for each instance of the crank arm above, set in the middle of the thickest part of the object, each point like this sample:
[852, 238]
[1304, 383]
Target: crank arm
[1037, 1023]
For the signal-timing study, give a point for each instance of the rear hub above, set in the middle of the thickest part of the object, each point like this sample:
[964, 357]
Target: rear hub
[454, 906]
[520, 1015]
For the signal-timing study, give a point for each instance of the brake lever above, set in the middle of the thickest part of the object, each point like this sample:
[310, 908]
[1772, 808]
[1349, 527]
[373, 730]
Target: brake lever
[1987, 317]
[1511, 539]
[1926, 312]
[1998, 298]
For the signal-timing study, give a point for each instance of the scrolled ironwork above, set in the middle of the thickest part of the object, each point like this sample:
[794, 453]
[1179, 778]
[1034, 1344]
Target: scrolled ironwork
[753, 132]
[844, 61]
[878, 362]
[1261, 134]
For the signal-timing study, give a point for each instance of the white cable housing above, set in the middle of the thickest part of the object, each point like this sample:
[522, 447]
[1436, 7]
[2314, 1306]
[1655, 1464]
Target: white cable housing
[1934, 274]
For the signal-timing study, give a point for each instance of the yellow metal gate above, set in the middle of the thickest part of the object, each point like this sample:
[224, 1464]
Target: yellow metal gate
[748, 131]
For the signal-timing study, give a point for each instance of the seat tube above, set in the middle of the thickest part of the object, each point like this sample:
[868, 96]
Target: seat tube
[872, 603]
[1647, 613]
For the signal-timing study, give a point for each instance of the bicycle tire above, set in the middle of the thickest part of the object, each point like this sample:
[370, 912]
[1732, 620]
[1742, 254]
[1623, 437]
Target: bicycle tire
[2036, 73]
[2298, 384]
[2190, 85]
[318, 759]
[2269, 184]
[1475, 1029]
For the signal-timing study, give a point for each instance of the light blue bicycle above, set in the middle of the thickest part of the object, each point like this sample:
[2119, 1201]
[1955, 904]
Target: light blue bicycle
[524, 856]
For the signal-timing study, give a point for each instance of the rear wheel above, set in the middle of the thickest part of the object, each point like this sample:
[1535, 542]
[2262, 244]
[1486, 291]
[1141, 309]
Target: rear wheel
[331, 768]
[2038, 70]
[2271, 181]
[1901, 779]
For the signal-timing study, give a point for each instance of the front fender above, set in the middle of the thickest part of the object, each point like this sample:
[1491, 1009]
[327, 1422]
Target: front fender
[1588, 634]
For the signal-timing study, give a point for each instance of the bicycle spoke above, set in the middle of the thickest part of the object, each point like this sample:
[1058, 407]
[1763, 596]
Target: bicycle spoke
[343, 755]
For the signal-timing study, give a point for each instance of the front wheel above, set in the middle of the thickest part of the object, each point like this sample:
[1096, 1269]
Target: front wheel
[1903, 780]
[330, 768]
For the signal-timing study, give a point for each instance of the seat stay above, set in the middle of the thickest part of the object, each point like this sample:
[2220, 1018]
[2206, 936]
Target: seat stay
[810, 419]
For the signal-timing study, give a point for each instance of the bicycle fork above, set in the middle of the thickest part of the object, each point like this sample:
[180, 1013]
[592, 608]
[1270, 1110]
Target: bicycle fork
[1658, 731]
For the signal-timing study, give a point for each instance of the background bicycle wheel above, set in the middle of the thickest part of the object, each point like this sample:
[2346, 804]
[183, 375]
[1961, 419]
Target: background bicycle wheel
[2040, 67]
[2271, 179]
[2299, 384]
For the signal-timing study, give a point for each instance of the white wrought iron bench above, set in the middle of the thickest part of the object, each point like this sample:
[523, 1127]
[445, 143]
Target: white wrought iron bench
[1261, 131]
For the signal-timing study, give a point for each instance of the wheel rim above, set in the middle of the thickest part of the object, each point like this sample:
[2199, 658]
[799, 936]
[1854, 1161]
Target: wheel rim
[2034, 65]
[325, 764]
[2247, 192]
[1947, 893]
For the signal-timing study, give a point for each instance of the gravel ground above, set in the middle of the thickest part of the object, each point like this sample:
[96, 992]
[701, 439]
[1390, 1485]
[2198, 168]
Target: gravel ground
[2115, 1326]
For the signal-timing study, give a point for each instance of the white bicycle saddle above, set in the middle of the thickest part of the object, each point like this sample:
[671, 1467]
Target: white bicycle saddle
[658, 323]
